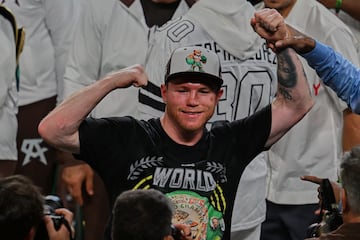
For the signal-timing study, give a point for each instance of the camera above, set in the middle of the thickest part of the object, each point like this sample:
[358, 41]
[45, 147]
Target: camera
[52, 203]
[330, 217]
[176, 233]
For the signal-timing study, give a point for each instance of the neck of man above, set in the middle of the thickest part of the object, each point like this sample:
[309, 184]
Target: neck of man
[158, 12]
[180, 136]
[350, 217]
[284, 10]
[165, 1]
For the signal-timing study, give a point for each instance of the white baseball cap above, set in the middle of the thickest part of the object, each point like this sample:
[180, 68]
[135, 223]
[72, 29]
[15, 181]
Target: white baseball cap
[194, 61]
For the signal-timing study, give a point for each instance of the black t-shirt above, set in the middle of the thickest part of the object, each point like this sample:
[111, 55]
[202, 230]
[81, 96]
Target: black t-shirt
[201, 180]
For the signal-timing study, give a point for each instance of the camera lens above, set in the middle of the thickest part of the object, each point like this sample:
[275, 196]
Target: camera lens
[52, 202]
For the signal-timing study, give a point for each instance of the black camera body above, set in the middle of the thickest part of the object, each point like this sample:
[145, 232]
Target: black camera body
[52, 203]
[330, 216]
[330, 222]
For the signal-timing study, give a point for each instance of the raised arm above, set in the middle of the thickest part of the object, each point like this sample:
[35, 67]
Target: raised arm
[60, 127]
[335, 71]
[293, 98]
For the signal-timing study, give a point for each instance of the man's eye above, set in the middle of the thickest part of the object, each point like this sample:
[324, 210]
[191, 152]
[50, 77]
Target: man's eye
[204, 91]
[182, 90]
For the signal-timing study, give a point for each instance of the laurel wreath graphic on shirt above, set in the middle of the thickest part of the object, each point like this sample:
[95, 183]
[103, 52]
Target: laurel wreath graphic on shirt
[144, 163]
[218, 168]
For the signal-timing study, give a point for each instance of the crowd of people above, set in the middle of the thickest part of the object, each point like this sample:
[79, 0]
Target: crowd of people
[106, 100]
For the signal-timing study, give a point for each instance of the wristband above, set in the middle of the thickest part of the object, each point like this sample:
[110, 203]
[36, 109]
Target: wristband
[338, 6]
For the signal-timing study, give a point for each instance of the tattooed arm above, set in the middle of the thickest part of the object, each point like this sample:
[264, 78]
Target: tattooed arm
[293, 98]
[335, 70]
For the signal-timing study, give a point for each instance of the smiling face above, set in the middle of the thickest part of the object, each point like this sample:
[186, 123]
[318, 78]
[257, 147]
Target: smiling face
[189, 105]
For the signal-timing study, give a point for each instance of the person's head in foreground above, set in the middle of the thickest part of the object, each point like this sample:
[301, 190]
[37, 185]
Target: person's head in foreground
[22, 214]
[142, 215]
[21, 208]
[350, 180]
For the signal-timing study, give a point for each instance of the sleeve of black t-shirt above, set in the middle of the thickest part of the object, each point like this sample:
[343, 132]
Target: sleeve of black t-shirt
[99, 137]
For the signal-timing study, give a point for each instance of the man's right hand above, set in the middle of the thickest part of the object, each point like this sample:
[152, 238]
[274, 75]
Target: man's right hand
[271, 26]
[75, 176]
[131, 76]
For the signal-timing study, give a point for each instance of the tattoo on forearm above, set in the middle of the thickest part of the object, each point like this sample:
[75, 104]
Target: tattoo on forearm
[287, 77]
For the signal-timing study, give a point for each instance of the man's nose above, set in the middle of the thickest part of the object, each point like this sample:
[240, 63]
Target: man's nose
[193, 98]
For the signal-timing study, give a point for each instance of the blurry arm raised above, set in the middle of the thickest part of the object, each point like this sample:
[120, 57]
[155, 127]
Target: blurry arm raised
[60, 127]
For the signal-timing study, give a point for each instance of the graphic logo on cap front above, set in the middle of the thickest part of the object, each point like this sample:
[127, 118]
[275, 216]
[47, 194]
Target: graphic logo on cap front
[196, 61]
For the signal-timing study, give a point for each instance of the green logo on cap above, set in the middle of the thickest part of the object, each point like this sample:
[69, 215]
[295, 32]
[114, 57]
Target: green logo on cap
[196, 61]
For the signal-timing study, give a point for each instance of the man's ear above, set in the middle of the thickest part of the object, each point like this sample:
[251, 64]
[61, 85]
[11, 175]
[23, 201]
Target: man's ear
[219, 94]
[163, 89]
[343, 196]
